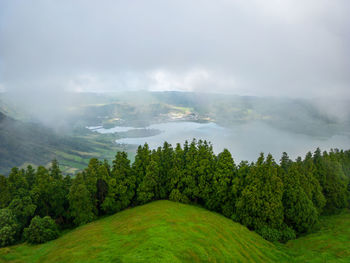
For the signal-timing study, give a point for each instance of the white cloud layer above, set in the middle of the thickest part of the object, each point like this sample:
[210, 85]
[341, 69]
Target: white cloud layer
[283, 48]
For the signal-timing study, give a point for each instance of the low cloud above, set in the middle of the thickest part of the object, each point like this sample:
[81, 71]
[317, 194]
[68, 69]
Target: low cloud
[264, 48]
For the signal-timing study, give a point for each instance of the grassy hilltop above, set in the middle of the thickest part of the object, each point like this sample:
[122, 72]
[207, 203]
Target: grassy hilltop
[161, 231]
[165, 231]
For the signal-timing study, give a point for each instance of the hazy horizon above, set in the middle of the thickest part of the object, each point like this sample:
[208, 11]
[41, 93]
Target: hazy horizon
[52, 53]
[270, 48]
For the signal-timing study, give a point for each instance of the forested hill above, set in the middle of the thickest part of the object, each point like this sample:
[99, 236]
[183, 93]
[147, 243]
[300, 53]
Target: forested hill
[280, 201]
[27, 142]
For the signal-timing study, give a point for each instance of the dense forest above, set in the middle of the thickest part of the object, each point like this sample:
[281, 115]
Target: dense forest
[280, 201]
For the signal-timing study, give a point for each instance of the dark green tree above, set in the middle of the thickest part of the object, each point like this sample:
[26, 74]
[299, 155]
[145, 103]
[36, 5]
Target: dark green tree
[30, 176]
[23, 209]
[102, 186]
[222, 197]
[332, 180]
[142, 160]
[299, 211]
[17, 184]
[310, 183]
[5, 196]
[8, 227]
[149, 187]
[41, 230]
[166, 160]
[190, 177]
[55, 171]
[49, 192]
[121, 185]
[41, 191]
[205, 170]
[81, 207]
[176, 181]
[261, 204]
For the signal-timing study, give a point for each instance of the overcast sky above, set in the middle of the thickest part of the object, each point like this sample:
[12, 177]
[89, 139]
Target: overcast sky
[298, 48]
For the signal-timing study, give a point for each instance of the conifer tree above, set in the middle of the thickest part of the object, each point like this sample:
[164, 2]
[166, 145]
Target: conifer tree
[332, 180]
[299, 211]
[121, 185]
[81, 207]
[190, 176]
[142, 159]
[41, 191]
[205, 169]
[310, 183]
[17, 184]
[260, 204]
[165, 165]
[176, 181]
[30, 176]
[5, 196]
[55, 171]
[222, 198]
[334, 186]
[149, 187]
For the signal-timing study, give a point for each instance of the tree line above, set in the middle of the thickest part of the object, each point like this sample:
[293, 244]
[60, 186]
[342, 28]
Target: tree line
[280, 201]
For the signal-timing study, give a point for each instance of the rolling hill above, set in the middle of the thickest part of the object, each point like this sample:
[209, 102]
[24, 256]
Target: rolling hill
[165, 231]
[24, 143]
[161, 231]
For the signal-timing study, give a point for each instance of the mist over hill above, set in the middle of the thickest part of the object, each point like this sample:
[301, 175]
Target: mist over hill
[237, 107]
[252, 124]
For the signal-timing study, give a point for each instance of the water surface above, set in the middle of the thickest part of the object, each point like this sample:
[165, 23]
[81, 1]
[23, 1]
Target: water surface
[244, 141]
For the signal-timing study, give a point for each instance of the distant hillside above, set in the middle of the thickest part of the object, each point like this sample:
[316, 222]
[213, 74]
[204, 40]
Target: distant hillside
[161, 231]
[309, 117]
[24, 142]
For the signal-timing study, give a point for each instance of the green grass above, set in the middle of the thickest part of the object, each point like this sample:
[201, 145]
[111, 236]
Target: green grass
[330, 244]
[161, 231]
[165, 231]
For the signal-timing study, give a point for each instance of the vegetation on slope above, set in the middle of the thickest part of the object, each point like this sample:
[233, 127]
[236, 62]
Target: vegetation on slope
[278, 201]
[330, 244]
[165, 231]
[25, 142]
[161, 231]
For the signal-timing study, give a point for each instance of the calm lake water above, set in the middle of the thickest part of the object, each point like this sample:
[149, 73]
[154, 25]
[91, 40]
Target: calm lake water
[245, 141]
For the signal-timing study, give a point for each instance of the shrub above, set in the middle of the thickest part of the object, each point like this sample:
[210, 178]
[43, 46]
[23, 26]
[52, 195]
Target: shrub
[8, 227]
[176, 196]
[41, 230]
[287, 234]
[270, 234]
[235, 218]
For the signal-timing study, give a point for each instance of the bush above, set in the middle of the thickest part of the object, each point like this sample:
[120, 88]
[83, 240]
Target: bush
[235, 218]
[227, 209]
[41, 230]
[287, 234]
[270, 234]
[176, 196]
[8, 227]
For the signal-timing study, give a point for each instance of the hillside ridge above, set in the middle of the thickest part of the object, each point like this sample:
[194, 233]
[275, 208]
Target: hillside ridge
[161, 231]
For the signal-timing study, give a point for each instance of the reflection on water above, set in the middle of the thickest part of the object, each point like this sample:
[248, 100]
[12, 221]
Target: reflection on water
[245, 141]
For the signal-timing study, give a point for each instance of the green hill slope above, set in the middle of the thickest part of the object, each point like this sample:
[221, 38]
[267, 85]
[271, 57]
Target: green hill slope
[330, 244]
[161, 231]
[23, 142]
